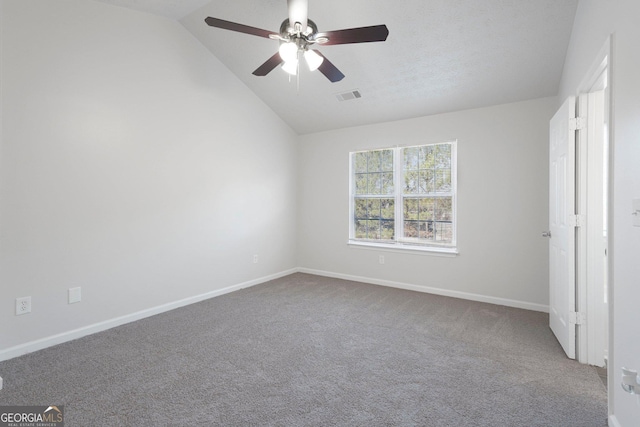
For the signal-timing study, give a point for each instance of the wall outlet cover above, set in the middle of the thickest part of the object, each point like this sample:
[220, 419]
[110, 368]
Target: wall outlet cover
[23, 305]
[75, 295]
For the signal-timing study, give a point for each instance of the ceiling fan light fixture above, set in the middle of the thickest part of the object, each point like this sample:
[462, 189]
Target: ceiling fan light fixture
[313, 59]
[288, 51]
[297, 34]
[291, 67]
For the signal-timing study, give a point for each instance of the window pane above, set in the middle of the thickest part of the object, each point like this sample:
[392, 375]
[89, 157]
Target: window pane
[373, 231]
[387, 161]
[426, 181]
[360, 162]
[444, 231]
[361, 183]
[411, 158]
[426, 209]
[428, 218]
[411, 182]
[411, 229]
[373, 208]
[443, 211]
[360, 208]
[443, 180]
[427, 157]
[426, 230]
[374, 161]
[373, 172]
[375, 183]
[387, 209]
[388, 230]
[443, 156]
[387, 183]
[361, 229]
[411, 209]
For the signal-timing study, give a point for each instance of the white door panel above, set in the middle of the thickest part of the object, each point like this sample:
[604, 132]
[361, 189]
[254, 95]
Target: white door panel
[562, 240]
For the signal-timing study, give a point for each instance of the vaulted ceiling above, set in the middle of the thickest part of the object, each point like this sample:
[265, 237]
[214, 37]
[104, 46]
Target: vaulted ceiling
[440, 56]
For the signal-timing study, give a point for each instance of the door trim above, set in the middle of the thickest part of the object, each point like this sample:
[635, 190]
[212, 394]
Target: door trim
[589, 335]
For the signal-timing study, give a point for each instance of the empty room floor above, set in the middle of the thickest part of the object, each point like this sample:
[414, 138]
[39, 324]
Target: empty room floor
[306, 350]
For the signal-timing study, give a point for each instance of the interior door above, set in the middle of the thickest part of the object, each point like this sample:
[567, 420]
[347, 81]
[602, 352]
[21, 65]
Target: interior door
[562, 231]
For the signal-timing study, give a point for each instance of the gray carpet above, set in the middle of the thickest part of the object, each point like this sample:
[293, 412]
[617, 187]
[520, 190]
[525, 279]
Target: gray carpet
[313, 351]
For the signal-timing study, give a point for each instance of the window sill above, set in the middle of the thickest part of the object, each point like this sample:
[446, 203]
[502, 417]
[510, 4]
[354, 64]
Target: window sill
[400, 248]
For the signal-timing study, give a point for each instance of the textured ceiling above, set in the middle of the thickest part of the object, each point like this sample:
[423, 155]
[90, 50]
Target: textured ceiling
[174, 9]
[440, 56]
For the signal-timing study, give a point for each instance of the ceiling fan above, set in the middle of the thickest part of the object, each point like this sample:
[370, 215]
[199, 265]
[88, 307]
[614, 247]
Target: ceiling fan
[297, 35]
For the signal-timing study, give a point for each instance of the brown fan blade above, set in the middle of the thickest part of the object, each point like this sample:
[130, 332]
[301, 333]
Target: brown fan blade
[329, 70]
[269, 65]
[375, 33]
[233, 26]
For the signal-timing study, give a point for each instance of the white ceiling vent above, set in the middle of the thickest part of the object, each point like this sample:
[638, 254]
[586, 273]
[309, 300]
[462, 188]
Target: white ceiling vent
[345, 96]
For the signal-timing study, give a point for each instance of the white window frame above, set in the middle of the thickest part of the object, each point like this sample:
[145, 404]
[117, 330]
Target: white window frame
[398, 195]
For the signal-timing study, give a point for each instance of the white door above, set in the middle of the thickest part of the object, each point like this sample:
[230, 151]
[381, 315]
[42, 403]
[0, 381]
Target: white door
[562, 229]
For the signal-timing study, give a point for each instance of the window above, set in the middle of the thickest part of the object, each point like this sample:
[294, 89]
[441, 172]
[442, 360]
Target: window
[404, 197]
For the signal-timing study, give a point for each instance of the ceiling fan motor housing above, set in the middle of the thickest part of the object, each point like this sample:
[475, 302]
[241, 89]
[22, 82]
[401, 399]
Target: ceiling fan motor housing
[301, 39]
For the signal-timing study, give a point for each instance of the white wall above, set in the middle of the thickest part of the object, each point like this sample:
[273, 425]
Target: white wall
[595, 21]
[502, 203]
[134, 165]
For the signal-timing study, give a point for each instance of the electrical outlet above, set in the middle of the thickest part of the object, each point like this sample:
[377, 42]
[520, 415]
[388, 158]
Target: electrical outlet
[255, 259]
[75, 295]
[23, 305]
[381, 259]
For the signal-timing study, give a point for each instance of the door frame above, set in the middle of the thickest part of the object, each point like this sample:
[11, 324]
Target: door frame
[588, 338]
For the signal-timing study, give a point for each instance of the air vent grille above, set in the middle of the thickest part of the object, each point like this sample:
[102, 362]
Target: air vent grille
[346, 96]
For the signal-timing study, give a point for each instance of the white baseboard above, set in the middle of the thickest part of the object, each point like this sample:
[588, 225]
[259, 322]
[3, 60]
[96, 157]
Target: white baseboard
[42, 343]
[429, 290]
[613, 421]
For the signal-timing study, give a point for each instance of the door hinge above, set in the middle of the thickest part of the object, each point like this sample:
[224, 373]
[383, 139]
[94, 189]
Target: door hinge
[577, 318]
[577, 220]
[577, 123]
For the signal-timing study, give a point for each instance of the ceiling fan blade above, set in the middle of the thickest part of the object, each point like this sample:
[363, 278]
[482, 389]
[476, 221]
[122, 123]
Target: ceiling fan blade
[269, 65]
[375, 33]
[233, 26]
[298, 12]
[329, 70]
